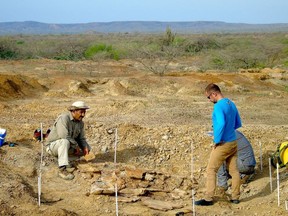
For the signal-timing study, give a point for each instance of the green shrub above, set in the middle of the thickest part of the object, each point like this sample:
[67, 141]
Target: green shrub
[202, 44]
[285, 41]
[20, 42]
[103, 50]
[285, 63]
[69, 51]
[218, 63]
[169, 37]
[178, 41]
[209, 51]
[7, 51]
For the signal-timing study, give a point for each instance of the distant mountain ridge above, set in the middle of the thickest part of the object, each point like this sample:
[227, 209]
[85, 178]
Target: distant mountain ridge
[32, 27]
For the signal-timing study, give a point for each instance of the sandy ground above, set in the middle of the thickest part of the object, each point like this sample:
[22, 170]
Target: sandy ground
[161, 127]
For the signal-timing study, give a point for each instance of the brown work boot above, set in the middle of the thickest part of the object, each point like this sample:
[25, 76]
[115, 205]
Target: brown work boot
[247, 178]
[244, 179]
[64, 174]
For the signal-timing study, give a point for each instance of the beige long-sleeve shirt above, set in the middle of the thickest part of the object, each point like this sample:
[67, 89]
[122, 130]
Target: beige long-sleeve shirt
[65, 127]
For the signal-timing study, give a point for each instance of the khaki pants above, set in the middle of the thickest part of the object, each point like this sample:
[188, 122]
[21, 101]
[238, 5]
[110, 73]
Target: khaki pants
[60, 148]
[223, 152]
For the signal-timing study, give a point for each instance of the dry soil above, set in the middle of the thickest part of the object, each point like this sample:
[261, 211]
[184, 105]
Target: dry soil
[158, 124]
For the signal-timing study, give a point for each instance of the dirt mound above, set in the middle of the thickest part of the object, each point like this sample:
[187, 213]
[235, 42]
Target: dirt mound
[78, 88]
[18, 86]
[160, 121]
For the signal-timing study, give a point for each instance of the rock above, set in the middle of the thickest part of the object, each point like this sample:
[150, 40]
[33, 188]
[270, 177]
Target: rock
[90, 156]
[246, 190]
[76, 86]
[165, 137]
[135, 173]
[178, 194]
[128, 199]
[174, 182]
[87, 175]
[100, 187]
[149, 177]
[144, 184]
[48, 198]
[90, 168]
[110, 131]
[135, 191]
[104, 149]
[160, 205]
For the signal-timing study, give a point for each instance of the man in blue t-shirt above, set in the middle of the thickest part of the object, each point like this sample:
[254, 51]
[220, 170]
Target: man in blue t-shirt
[226, 120]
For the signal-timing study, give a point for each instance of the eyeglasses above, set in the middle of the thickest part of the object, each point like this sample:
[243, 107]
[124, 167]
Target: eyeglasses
[209, 95]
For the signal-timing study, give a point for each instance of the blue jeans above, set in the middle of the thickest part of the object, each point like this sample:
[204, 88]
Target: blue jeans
[223, 174]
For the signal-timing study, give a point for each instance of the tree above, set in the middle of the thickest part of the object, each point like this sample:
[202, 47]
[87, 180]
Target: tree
[156, 55]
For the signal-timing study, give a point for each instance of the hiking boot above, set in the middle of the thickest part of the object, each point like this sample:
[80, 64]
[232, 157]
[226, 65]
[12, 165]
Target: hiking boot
[64, 174]
[203, 202]
[247, 178]
[244, 179]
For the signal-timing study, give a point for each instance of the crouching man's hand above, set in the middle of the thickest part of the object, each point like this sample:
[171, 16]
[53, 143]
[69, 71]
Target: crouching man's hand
[85, 151]
[77, 151]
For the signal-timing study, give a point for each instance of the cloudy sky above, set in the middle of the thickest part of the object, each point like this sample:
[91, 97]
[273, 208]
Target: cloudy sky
[85, 11]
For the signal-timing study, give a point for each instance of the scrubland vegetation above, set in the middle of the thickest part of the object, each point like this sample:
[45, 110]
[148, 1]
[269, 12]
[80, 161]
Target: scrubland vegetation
[228, 52]
[159, 123]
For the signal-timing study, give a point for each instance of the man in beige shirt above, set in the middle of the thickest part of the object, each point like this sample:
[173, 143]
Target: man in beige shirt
[67, 134]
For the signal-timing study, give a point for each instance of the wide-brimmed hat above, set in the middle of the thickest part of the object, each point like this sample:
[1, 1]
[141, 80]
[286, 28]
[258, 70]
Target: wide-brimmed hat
[78, 105]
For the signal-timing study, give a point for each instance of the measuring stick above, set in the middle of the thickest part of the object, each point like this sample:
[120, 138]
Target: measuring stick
[192, 177]
[278, 185]
[115, 160]
[270, 175]
[40, 168]
[261, 166]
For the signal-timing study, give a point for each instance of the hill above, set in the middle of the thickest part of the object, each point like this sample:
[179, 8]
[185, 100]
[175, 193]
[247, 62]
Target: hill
[31, 27]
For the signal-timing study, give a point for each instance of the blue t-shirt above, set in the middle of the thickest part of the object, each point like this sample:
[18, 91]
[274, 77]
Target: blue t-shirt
[226, 120]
